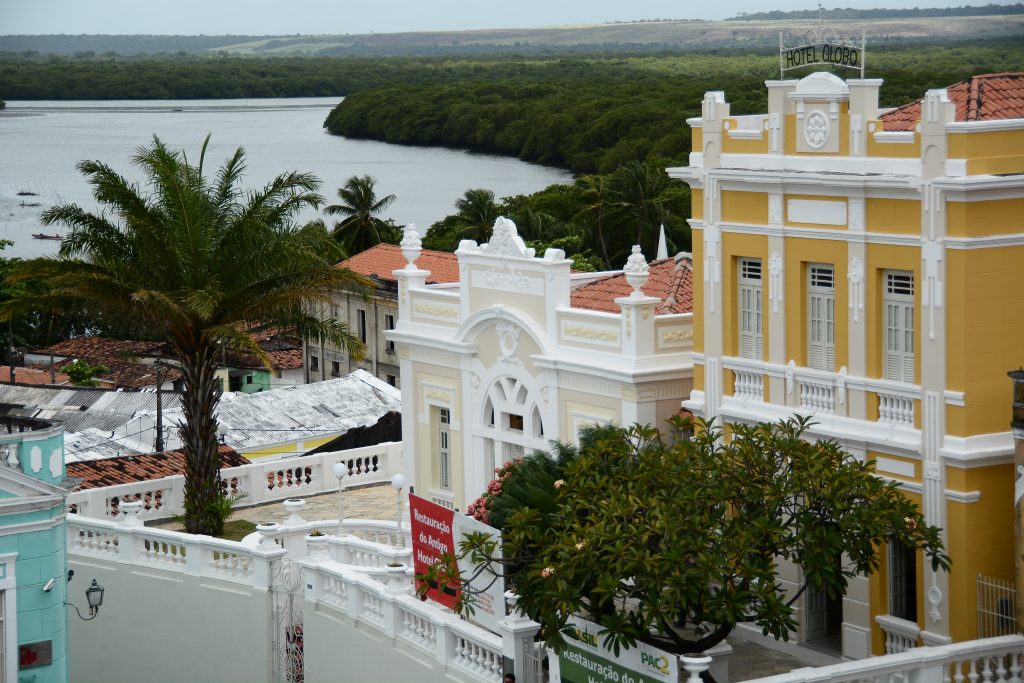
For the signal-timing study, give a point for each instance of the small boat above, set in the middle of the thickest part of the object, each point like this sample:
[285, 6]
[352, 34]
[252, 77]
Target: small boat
[44, 236]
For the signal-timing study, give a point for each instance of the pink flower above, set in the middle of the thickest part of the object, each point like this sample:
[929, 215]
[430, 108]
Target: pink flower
[911, 523]
[547, 571]
[560, 483]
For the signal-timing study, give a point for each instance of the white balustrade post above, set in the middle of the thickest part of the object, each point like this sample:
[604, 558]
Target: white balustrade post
[695, 665]
[517, 634]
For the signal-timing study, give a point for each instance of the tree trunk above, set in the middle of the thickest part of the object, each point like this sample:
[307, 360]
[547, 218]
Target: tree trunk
[199, 362]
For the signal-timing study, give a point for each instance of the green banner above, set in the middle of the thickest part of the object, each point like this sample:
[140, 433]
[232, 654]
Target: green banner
[585, 660]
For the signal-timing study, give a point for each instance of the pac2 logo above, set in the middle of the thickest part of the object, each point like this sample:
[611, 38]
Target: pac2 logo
[656, 662]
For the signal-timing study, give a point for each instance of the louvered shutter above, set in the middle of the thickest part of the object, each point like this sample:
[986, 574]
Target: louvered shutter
[821, 318]
[750, 320]
[899, 326]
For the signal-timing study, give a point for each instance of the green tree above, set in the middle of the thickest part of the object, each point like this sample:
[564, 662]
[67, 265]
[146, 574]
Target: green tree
[477, 212]
[82, 374]
[362, 227]
[195, 260]
[596, 202]
[674, 543]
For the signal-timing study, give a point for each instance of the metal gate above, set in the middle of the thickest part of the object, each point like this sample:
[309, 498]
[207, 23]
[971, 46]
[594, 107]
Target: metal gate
[286, 589]
[534, 660]
[996, 607]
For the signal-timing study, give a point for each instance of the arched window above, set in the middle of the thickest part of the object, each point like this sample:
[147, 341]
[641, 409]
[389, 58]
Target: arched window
[511, 423]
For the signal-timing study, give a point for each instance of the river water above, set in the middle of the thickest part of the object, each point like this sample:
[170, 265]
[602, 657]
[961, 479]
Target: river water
[41, 142]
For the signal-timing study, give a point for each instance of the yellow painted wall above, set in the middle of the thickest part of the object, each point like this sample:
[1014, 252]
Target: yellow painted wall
[697, 204]
[800, 252]
[986, 336]
[745, 207]
[986, 151]
[697, 240]
[900, 150]
[817, 198]
[980, 539]
[894, 216]
[735, 246]
[696, 139]
[980, 219]
[290, 448]
[882, 257]
[744, 146]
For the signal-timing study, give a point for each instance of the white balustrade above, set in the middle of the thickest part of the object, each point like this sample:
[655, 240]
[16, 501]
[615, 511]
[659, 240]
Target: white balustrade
[818, 396]
[895, 409]
[900, 635]
[748, 386]
[199, 556]
[445, 499]
[467, 650]
[260, 482]
[989, 659]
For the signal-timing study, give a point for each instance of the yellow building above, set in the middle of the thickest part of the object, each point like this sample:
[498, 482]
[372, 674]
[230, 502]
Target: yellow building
[866, 266]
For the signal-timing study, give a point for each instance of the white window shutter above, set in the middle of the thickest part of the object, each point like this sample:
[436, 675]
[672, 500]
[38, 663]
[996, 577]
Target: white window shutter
[749, 314]
[898, 295]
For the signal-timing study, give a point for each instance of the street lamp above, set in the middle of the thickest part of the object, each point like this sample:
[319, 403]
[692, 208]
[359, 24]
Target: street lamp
[94, 596]
[398, 483]
[340, 470]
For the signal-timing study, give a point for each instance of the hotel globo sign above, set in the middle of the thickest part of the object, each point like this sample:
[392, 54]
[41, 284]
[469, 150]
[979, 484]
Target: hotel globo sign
[820, 45]
[823, 53]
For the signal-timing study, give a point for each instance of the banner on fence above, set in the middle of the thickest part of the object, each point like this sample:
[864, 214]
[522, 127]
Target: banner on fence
[433, 535]
[437, 530]
[586, 660]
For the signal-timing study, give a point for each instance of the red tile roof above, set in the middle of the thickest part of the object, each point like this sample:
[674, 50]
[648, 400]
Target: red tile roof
[980, 98]
[119, 355]
[129, 469]
[380, 260]
[286, 359]
[31, 376]
[671, 280]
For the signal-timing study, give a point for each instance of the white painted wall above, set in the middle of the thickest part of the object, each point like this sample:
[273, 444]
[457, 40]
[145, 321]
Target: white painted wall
[166, 627]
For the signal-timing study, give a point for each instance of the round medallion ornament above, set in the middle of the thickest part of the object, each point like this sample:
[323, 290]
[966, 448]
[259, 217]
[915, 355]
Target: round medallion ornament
[816, 129]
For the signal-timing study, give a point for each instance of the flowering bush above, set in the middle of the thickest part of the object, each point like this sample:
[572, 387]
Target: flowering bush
[481, 508]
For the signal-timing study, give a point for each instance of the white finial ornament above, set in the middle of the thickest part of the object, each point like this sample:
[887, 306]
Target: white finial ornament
[411, 245]
[662, 244]
[637, 271]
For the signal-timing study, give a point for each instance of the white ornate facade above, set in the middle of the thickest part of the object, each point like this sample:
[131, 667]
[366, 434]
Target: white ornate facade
[501, 363]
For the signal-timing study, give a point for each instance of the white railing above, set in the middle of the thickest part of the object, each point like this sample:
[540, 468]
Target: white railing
[895, 409]
[196, 556]
[900, 635]
[261, 482]
[445, 499]
[990, 659]
[460, 647]
[748, 386]
[817, 395]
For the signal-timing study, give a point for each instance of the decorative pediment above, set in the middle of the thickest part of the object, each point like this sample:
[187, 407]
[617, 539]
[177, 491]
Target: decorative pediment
[506, 242]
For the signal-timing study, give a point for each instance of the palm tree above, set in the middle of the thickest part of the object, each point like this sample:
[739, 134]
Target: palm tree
[594, 193]
[361, 227]
[194, 260]
[476, 214]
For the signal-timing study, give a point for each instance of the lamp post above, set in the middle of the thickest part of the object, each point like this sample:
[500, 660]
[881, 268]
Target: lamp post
[340, 470]
[398, 483]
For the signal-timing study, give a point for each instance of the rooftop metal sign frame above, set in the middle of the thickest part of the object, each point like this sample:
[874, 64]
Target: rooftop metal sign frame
[821, 45]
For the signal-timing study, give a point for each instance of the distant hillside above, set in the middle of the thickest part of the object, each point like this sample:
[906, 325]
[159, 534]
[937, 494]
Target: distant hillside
[881, 13]
[749, 33]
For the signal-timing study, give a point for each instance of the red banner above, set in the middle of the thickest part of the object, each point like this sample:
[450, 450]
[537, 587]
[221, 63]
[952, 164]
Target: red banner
[432, 537]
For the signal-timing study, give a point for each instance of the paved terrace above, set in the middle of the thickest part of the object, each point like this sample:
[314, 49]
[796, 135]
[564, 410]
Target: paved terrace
[380, 501]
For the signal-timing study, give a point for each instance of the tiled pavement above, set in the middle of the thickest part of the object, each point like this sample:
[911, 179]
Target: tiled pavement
[749, 660]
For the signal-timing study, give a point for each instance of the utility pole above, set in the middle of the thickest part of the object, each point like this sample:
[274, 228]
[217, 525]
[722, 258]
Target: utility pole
[10, 345]
[159, 445]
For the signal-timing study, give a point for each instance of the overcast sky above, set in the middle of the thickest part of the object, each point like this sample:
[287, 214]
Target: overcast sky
[283, 17]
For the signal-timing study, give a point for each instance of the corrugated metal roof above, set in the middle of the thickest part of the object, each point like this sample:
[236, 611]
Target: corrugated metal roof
[80, 409]
[304, 411]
